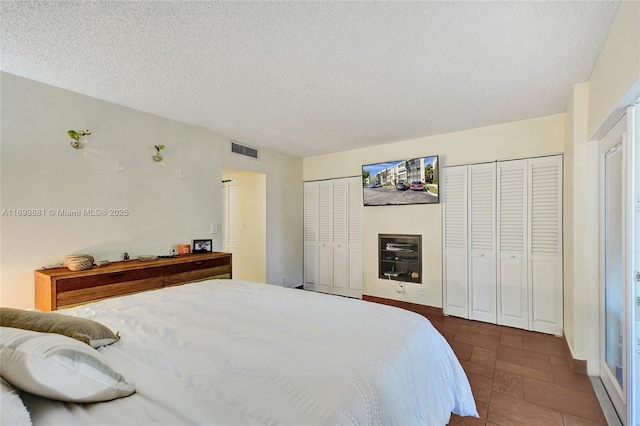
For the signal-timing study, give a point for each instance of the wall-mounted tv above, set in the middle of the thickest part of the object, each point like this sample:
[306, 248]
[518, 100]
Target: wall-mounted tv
[402, 182]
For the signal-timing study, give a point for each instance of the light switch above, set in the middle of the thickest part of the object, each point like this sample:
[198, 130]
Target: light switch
[214, 228]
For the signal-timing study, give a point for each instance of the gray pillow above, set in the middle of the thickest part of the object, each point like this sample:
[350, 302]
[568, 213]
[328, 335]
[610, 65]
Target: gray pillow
[90, 332]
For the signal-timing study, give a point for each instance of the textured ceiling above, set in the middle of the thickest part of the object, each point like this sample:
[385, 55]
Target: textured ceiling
[309, 78]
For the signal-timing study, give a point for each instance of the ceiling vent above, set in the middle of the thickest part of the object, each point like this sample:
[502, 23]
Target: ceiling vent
[247, 151]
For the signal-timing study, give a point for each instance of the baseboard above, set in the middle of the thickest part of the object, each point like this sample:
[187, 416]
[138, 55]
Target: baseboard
[577, 365]
[409, 306]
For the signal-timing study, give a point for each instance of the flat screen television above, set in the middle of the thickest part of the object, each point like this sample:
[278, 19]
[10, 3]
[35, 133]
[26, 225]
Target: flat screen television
[402, 182]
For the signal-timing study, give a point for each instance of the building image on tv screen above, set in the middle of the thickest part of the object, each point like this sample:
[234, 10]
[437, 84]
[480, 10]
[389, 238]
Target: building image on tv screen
[401, 182]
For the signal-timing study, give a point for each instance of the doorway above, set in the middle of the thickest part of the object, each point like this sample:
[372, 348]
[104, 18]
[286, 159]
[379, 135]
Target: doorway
[614, 291]
[244, 222]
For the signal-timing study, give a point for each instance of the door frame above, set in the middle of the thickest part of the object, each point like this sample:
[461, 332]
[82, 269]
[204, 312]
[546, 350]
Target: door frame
[626, 104]
[633, 196]
[620, 399]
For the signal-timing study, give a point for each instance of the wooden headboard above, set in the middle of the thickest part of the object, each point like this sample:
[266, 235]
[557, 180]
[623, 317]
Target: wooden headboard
[62, 288]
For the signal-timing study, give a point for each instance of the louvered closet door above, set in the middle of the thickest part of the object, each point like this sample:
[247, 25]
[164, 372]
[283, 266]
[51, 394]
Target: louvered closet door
[340, 252]
[224, 200]
[512, 217]
[482, 242]
[456, 295]
[325, 236]
[310, 235]
[545, 235]
[229, 217]
[354, 237]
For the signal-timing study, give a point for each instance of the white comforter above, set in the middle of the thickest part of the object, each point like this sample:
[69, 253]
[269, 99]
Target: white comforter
[233, 352]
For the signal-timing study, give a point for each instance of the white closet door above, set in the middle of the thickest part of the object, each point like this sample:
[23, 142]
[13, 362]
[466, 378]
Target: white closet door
[224, 200]
[482, 242]
[545, 235]
[229, 217]
[512, 217]
[456, 293]
[310, 235]
[340, 252]
[354, 240]
[325, 236]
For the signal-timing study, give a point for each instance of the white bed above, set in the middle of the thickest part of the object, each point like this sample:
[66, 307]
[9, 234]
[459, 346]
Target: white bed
[234, 352]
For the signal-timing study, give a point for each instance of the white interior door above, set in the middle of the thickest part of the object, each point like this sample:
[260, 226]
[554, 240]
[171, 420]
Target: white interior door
[229, 217]
[354, 239]
[482, 244]
[513, 293]
[613, 312]
[545, 250]
[456, 288]
[340, 252]
[310, 235]
[325, 237]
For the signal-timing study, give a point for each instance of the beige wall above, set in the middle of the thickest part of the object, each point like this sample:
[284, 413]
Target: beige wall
[528, 138]
[39, 170]
[617, 68]
[568, 212]
[595, 107]
[249, 260]
[576, 188]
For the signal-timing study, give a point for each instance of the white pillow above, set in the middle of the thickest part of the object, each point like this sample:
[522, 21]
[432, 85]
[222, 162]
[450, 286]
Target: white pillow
[12, 409]
[58, 367]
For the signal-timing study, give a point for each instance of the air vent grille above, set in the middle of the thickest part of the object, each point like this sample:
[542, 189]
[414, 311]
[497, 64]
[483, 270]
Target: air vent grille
[247, 151]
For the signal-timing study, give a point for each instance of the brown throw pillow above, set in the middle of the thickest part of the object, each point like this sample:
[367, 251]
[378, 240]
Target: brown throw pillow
[90, 332]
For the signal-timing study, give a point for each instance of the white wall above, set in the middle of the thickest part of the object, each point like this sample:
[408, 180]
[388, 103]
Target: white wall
[528, 138]
[39, 170]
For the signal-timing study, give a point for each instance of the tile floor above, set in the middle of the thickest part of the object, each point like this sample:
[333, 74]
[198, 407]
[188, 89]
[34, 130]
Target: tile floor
[518, 377]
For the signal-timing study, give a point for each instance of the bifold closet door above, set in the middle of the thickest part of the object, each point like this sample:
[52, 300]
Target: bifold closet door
[545, 235]
[456, 287]
[325, 236]
[354, 238]
[512, 259]
[333, 236]
[340, 250]
[310, 235]
[482, 241]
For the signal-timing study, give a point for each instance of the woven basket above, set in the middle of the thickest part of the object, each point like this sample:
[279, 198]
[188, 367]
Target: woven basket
[78, 262]
[80, 266]
[76, 258]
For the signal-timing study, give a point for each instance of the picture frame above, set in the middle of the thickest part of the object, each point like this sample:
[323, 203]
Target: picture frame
[202, 246]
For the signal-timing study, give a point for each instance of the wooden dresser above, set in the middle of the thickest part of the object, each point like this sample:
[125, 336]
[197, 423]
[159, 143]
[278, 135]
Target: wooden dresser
[62, 288]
